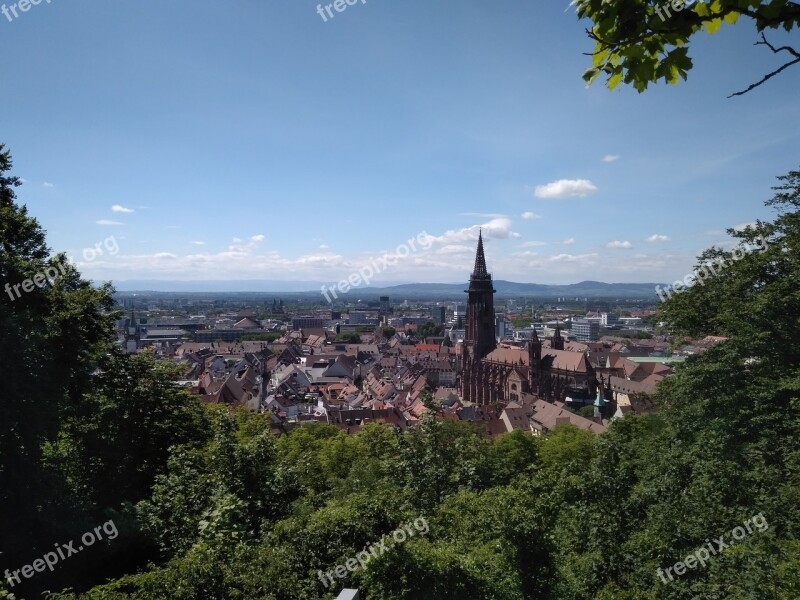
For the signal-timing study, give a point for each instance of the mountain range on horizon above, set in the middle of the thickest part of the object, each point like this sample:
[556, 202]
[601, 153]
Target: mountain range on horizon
[583, 289]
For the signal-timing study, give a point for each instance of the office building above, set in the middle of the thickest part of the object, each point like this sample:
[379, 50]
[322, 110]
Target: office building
[307, 322]
[438, 314]
[608, 319]
[586, 330]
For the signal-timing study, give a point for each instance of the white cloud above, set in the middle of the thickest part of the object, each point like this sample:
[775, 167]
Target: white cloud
[568, 241]
[324, 259]
[659, 238]
[527, 253]
[533, 244]
[240, 247]
[456, 249]
[586, 258]
[610, 157]
[565, 188]
[573, 267]
[530, 216]
[47, 184]
[198, 243]
[618, 244]
[448, 263]
[497, 229]
[324, 247]
[714, 232]
[107, 222]
[743, 226]
[118, 208]
[447, 260]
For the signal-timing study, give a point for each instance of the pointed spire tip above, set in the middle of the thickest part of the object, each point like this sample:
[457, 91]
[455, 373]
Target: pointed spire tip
[480, 271]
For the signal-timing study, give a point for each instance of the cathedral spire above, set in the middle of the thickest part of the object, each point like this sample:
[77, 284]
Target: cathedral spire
[480, 271]
[479, 331]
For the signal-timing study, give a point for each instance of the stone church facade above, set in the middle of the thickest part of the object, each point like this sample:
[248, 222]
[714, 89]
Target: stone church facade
[492, 374]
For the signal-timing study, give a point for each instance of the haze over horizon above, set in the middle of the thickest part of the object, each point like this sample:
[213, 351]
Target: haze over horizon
[294, 287]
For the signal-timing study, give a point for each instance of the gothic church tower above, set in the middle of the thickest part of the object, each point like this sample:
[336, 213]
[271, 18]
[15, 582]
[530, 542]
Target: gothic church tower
[479, 335]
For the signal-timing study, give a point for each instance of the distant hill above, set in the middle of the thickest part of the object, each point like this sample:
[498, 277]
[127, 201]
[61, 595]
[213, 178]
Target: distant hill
[584, 289]
[217, 285]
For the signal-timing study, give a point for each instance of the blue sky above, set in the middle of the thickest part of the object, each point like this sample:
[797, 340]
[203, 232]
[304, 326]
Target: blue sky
[253, 140]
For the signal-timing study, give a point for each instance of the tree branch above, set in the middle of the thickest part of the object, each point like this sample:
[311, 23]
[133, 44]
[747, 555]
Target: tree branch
[769, 76]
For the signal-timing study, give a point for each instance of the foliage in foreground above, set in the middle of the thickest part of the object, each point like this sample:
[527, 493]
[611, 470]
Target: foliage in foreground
[639, 42]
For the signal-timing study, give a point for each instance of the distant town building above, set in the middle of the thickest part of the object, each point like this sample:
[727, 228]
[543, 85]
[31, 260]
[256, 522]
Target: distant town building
[459, 310]
[608, 319]
[523, 334]
[385, 304]
[328, 315]
[586, 330]
[133, 333]
[218, 335]
[631, 321]
[307, 322]
[438, 314]
[456, 335]
[357, 317]
[401, 322]
[502, 328]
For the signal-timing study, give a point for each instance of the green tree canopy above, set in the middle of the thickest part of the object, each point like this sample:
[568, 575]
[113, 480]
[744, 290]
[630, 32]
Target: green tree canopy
[745, 291]
[84, 431]
[430, 329]
[51, 336]
[639, 42]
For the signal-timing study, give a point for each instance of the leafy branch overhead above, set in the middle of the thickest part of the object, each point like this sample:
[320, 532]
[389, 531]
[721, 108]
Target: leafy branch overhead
[639, 42]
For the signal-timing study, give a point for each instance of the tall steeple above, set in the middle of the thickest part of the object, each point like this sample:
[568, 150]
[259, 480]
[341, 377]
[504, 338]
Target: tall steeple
[479, 334]
[479, 271]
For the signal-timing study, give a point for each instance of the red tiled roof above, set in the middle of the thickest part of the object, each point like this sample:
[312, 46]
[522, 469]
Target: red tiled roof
[510, 356]
[568, 361]
[550, 415]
